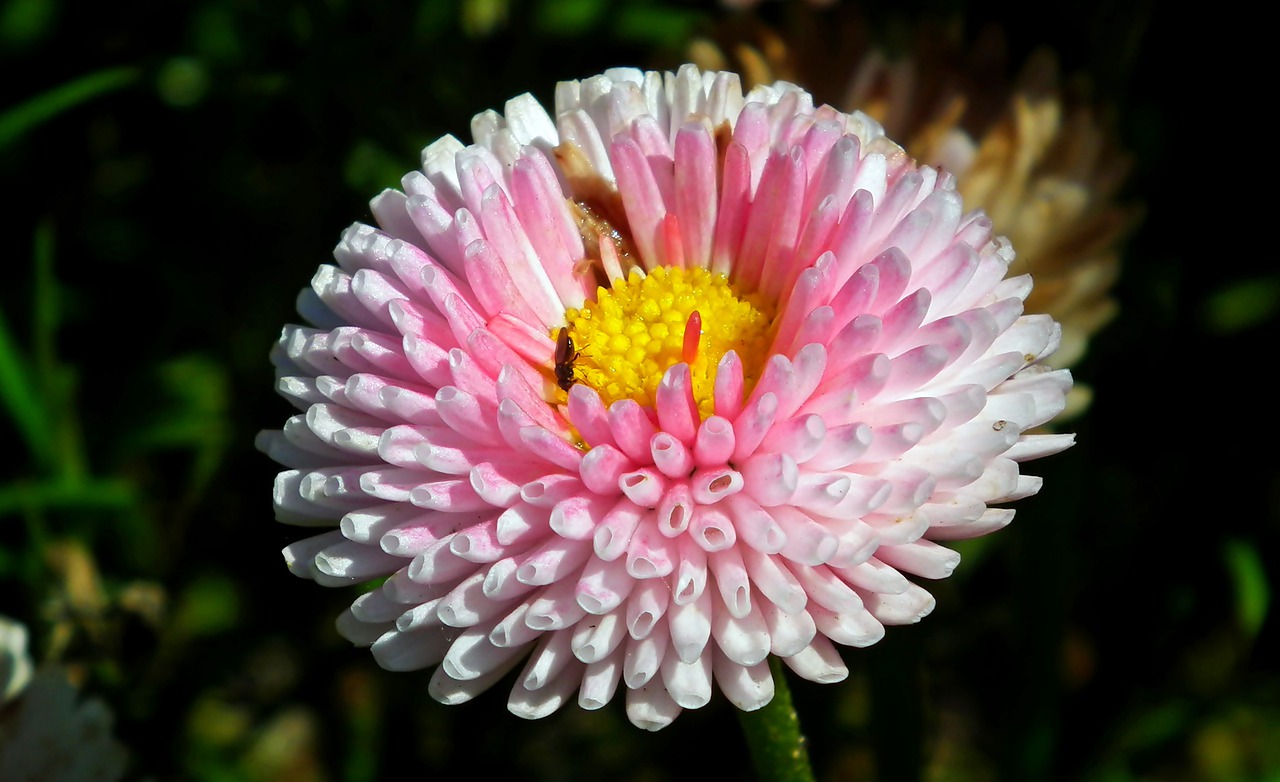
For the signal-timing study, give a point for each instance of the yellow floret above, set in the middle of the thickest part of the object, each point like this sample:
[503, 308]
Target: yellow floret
[634, 331]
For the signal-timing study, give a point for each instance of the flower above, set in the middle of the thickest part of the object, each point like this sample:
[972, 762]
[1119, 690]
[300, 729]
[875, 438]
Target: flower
[46, 734]
[15, 662]
[644, 391]
[1034, 153]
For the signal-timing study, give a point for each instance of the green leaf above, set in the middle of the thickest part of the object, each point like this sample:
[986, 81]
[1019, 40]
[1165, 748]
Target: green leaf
[656, 25]
[1155, 726]
[32, 113]
[1249, 577]
[20, 388]
[1242, 305]
[569, 17]
[20, 496]
[24, 22]
[209, 605]
[192, 412]
[183, 82]
[483, 17]
[20, 400]
[370, 168]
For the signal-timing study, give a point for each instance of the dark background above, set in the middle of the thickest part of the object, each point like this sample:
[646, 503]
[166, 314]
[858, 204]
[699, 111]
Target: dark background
[173, 174]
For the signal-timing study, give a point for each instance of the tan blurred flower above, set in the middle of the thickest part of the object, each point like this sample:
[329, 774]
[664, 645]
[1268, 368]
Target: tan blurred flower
[1031, 151]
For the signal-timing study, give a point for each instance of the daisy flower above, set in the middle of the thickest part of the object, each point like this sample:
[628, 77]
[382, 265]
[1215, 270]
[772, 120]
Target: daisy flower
[632, 394]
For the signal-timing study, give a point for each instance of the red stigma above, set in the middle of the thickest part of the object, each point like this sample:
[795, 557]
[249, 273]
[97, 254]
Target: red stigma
[692, 333]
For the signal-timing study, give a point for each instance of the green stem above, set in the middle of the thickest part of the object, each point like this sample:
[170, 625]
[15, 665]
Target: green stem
[773, 735]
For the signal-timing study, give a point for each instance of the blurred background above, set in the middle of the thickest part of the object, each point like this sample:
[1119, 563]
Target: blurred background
[176, 171]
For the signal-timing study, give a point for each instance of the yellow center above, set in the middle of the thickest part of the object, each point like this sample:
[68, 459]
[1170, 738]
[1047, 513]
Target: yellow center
[635, 330]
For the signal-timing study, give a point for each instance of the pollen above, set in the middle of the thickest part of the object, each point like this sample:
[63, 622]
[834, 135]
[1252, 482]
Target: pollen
[635, 330]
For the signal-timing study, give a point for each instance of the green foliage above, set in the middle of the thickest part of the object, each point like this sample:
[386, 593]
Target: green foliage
[182, 82]
[570, 17]
[1248, 574]
[29, 115]
[208, 606]
[23, 23]
[1243, 304]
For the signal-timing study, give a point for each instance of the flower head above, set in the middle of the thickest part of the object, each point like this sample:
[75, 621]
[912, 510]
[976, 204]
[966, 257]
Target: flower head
[640, 392]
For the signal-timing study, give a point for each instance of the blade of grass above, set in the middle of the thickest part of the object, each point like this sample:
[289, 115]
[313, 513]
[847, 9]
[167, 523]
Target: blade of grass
[22, 496]
[20, 399]
[44, 305]
[54, 380]
[33, 112]
[1249, 576]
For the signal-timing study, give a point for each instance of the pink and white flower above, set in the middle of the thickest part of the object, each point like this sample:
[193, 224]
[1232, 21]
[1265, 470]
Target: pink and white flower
[641, 391]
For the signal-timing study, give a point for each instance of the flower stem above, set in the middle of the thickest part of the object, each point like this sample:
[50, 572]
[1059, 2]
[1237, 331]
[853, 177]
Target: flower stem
[773, 735]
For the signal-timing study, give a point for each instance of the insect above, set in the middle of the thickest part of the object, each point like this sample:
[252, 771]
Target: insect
[565, 356]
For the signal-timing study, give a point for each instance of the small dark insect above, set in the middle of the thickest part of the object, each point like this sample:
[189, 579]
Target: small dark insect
[565, 356]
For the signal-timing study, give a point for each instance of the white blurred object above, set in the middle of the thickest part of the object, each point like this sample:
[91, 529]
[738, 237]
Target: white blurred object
[47, 734]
